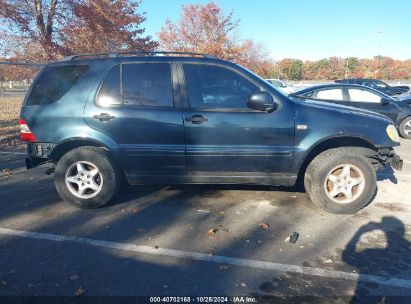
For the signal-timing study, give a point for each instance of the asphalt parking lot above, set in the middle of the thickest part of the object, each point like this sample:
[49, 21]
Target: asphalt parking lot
[201, 241]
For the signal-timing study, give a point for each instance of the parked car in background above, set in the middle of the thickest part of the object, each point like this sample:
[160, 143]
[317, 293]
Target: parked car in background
[399, 110]
[377, 85]
[282, 85]
[195, 119]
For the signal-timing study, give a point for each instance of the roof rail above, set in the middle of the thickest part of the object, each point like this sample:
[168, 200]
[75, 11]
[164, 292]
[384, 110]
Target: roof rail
[154, 53]
[21, 63]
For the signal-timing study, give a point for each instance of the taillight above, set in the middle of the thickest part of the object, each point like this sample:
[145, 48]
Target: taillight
[25, 132]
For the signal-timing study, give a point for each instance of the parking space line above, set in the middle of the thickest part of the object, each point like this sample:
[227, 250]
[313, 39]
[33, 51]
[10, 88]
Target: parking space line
[396, 282]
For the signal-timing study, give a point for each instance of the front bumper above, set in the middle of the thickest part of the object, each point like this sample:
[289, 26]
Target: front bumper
[387, 156]
[396, 162]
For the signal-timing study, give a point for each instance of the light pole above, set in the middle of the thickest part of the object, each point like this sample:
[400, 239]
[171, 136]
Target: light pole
[379, 44]
[346, 69]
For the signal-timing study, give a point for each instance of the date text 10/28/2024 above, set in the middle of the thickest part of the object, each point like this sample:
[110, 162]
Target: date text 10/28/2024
[168, 299]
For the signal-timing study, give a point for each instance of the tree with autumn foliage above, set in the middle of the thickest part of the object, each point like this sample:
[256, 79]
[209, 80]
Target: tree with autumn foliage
[207, 29]
[45, 30]
[106, 26]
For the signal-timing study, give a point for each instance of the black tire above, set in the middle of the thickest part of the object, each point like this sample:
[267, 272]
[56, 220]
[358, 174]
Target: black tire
[317, 174]
[402, 127]
[110, 177]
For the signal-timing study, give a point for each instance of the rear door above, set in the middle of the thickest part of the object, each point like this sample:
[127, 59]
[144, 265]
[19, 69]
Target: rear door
[365, 99]
[224, 137]
[138, 108]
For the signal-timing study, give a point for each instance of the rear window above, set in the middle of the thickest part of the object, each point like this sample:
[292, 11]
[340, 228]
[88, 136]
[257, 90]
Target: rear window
[54, 82]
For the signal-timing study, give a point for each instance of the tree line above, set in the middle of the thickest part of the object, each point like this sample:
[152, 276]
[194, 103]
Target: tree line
[47, 30]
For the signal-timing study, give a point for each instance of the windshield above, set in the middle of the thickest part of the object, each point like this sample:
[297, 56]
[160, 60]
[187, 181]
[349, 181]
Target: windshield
[379, 84]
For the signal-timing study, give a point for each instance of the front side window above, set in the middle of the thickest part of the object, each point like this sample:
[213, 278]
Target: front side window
[54, 82]
[330, 94]
[210, 86]
[147, 84]
[358, 95]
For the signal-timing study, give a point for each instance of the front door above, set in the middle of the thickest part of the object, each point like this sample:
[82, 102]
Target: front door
[136, 107]
[362, 98]
[226, 138]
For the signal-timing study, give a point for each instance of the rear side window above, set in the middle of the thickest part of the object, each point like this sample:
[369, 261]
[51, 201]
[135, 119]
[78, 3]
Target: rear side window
[54, 82]
[357, 95]
[110, 93]
[147, 84]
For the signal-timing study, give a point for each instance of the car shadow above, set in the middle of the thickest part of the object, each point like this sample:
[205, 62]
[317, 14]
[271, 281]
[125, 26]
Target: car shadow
[378, 260]
[387, 173]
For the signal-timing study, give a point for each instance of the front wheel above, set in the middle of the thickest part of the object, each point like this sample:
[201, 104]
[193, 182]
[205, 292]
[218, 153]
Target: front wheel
[405, 128]
[341, 180]
[87, 177]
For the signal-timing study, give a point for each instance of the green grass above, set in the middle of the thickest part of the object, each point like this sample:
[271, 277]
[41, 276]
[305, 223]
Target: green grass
[9, 124]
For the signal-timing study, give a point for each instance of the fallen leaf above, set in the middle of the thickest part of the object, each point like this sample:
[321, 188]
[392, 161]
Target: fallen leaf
[264, 226]
[243, 284]
[6, 172]
[222, 213]
[225, 267]
[79, 292]
[135, 210]
[211, 231]
[74, 277]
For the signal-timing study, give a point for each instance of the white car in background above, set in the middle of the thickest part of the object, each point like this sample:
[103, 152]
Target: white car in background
[282, 85]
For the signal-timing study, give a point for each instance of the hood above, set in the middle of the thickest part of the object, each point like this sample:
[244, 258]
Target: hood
[323, 105]
[403, 97]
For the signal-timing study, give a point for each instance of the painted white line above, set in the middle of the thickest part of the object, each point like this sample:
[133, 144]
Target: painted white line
[17, 153]
[211, 258]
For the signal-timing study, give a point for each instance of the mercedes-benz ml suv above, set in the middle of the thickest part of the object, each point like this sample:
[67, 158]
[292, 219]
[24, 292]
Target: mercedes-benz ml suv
[172, 118]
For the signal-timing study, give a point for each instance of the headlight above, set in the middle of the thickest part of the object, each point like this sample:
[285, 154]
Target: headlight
[392, 133]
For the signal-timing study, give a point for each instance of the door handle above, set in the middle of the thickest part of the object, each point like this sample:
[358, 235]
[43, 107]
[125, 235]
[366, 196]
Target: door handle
[197, 119]
[104, 117]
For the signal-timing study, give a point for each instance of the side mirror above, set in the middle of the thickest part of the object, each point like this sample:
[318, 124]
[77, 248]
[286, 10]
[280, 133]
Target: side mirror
[262, 101]
[385, 101]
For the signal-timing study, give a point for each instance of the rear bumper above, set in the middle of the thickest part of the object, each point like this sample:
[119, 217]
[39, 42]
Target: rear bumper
[38, 154]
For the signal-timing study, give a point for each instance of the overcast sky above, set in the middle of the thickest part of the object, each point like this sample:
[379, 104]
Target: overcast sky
[310, 29]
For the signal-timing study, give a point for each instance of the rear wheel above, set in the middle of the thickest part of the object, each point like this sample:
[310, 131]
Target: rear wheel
[405, 128]
[87, 177]
[341, 180]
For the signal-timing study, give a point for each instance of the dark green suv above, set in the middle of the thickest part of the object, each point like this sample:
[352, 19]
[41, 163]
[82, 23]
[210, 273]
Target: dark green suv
[184, 118]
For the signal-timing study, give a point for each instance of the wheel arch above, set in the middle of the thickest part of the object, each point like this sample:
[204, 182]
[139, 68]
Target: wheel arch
[331, 143]
[73, 143]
